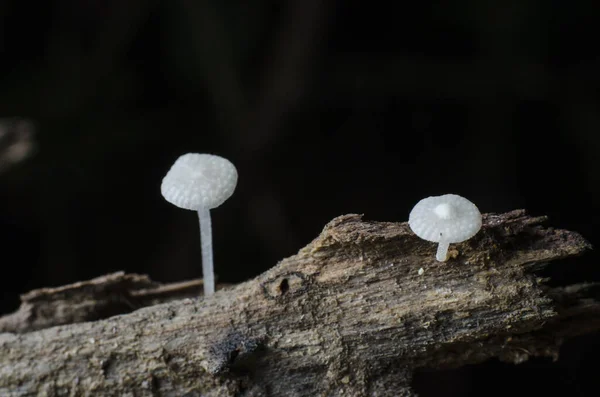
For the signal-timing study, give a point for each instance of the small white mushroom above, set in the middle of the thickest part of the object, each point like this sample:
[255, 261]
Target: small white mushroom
[445, 219]
[200, 182]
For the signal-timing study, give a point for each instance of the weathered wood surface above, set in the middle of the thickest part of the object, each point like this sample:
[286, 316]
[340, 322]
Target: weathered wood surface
[91, 300]
[349, 315]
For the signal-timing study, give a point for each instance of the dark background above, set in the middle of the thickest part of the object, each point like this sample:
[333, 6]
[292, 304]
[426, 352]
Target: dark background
[326, 107]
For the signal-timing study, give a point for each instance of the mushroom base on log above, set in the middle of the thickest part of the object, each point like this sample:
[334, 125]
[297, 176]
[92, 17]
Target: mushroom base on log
[354, 313]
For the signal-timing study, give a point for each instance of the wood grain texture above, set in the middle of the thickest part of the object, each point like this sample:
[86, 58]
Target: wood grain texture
[101, 297]
[350, 314]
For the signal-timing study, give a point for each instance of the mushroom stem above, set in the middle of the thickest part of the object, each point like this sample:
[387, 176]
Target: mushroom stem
[208, 274]
[442, 251]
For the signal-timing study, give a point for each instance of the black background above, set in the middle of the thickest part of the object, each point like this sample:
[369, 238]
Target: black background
[325, 107]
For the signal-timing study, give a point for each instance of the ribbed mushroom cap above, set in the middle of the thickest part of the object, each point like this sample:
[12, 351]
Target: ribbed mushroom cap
[198, 181]
[449, 218]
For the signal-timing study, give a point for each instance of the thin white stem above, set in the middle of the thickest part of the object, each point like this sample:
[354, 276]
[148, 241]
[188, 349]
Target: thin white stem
[208, 272]
[442, 251]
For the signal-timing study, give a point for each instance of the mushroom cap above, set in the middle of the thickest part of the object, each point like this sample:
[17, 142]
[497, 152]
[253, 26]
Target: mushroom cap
[198, 181]
[449, 218]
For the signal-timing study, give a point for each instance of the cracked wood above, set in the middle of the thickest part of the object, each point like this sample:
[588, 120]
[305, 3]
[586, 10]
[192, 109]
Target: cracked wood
[350, 314]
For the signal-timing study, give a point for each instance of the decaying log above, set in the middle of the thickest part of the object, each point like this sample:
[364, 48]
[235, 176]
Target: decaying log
[353, 314]
[91, 300]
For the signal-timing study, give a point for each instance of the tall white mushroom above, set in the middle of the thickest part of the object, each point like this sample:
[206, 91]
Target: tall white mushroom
[445, 219]
[200, 182]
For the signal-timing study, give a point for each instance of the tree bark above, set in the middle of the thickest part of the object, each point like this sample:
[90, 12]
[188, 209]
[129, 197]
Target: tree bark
[352, 314]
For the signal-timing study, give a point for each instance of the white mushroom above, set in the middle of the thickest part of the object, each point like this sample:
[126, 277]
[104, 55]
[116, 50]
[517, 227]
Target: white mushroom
[201, 182]
[445, 219]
